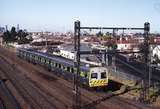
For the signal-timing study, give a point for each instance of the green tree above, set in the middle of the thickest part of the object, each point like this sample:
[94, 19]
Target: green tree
[12, 36]
[13, 33]
[6, 36]
[99, 34]
[23, 37]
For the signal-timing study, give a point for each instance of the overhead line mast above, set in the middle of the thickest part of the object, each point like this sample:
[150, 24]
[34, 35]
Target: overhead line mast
[77, 28]
[77, 92]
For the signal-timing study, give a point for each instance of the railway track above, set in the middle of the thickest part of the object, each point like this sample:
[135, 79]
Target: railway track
[60, 87]
[7, 100]
[52, 88]
[28, 90]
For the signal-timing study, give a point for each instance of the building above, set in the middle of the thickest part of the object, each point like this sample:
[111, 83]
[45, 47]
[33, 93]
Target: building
[156, 52]
[67, 51]
[2, 29]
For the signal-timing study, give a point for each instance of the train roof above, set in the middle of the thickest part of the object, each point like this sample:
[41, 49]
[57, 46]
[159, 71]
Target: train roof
[70, 47]
[59, 59]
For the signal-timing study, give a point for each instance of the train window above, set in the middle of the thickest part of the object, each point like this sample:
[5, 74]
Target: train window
[68, 69]
[72, 70]
[36, 57]
[46, 61]
[103, 75]
[26, 55]
[56, 65]
[85, 75]
[75, 69]
[49, 62]
[52, 63]
[59, 65]
[64, 67]
[39, 58]
[94, 76]
[42, 59]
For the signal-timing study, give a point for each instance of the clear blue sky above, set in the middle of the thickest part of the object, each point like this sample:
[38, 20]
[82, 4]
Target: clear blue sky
[59, 15]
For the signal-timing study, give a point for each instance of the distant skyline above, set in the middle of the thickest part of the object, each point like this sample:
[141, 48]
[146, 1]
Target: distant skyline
[59, 15]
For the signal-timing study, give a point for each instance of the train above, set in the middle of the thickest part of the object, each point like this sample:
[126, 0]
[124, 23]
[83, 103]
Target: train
[91, 76]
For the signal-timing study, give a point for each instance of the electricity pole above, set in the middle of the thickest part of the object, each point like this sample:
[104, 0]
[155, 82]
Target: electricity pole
[76, 79]
[144, 96]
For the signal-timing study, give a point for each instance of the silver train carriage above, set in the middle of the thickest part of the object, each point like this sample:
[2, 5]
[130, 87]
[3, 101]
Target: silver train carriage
[92, 76]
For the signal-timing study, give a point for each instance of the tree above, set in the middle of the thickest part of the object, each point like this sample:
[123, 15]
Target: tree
[23, 37]
[99, 34]
[6, 36]
[12, 36]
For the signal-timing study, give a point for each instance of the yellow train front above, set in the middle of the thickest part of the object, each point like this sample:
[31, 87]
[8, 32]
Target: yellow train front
[98, 77]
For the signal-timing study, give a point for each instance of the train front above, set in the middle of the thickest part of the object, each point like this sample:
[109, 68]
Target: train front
[98, 77]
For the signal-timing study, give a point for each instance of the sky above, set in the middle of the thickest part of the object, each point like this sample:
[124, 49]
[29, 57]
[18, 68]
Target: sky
[59, 15]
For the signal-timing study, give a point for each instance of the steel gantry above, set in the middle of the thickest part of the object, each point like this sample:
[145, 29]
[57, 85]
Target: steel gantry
[77, 33]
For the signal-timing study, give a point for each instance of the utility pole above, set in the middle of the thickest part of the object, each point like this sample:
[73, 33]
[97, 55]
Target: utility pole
[144, 96]
[17, 27]
[46, 40]
[6, 26]
[76, 79]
